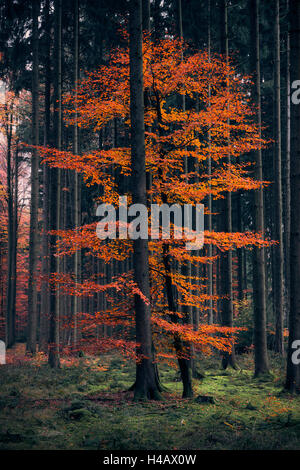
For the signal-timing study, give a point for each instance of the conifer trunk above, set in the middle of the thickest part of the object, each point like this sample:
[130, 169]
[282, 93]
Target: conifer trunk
[278, 249]
[259, 283]
[228, 359]
[287, 209]
[76, 177]
[33, 235]
[45, 292]
[10, 317]
[53, 357]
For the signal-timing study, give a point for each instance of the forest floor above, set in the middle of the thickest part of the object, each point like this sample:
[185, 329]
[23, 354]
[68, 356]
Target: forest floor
[85, 405]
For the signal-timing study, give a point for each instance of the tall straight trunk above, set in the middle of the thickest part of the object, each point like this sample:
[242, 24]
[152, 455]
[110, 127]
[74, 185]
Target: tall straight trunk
[76, 178]
[55, 176]
[209, 226]
[278, 249]
[15, 242]
[146, 385]
[10, 317]
[293, 369]
[228, 359]
[33, 235]
[45, 292]
[287, 208]
[240, 251]
[259, 284]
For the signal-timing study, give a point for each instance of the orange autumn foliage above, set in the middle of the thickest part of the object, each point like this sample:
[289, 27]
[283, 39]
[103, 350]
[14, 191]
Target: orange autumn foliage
[173, 136]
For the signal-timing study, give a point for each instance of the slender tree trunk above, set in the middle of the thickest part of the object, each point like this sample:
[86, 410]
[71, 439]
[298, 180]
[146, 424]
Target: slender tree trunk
[293, 369]
[53, 357]
[240, 251]
[146, 386]
[209, 227]
[278, 249]
[287, 208]
[45, 292]
[228, 359]
[259, 284]
[33, 236]
[76, 177]
[15, 244]
[10, 320]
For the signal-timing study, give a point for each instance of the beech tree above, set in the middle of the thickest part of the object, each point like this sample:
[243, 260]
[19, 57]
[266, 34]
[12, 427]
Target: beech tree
[175, 135]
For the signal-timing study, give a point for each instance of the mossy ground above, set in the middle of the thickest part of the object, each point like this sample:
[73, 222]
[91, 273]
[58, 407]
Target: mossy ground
[85, 407]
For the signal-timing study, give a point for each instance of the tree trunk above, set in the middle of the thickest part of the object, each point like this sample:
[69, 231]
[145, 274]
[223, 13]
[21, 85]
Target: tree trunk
[287, 209]
[228, 359]
[146, 386]
[53, 357]
[33, 236]
[45, 292]
[209, 226]
[10, 317]
[259, 284]
[278, 249]
[76, 177]
[15, 245]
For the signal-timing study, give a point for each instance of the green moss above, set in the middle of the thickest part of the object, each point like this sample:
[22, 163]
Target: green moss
[79, 408]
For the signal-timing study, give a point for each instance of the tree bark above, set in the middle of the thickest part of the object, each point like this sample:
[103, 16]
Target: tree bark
[287, 209]
[10, 316]
[76, 177]
[209, 226]
[228, 359]
[278, 249]
[15, 244]
[53, 357]
[146, 386]
[45, 292]
[33, 235]
[259, 284]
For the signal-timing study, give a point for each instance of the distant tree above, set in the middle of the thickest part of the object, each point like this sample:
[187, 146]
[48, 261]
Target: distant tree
[34, 200]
